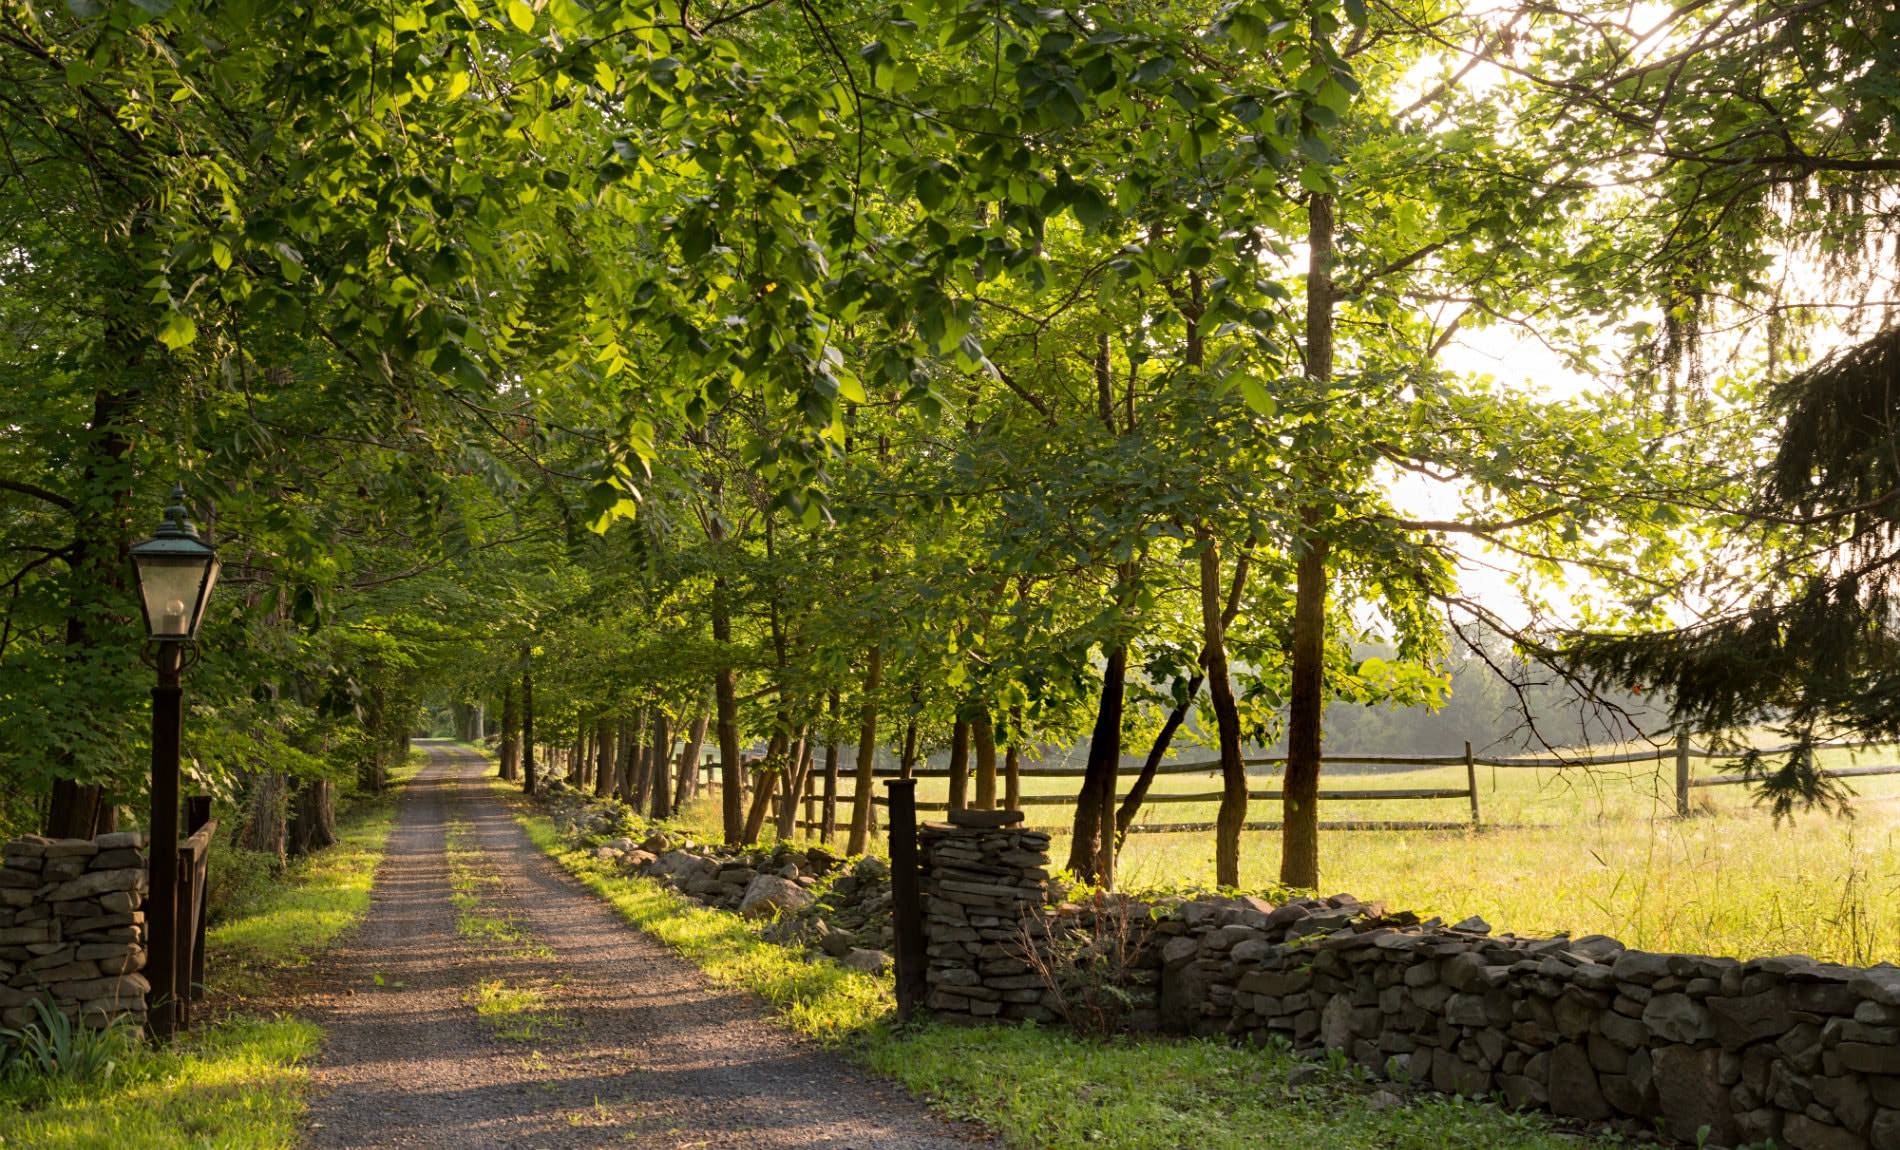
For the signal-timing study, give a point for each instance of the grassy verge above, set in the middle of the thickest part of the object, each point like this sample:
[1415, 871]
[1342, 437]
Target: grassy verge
[1042, 1087]
[237, 1083]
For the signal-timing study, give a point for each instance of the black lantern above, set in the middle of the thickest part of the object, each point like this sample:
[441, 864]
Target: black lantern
[176, 571]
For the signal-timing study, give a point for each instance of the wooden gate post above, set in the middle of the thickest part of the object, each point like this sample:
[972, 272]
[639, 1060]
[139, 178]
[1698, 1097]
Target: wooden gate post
[1682, 775]
[907, 901]
[1471, 781]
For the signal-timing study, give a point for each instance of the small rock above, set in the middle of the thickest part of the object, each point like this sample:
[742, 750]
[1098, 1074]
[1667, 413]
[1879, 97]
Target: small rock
[769, 894]
[867, 961]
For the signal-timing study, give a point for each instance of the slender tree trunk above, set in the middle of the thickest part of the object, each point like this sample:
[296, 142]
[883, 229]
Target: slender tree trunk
[828, 811]
[1306, 697]
[725, 692]
[959, 763]
[1095, 803]
[1233, 772]
[626, 742]
[765, 783]
[370, 773]
[527, 719]
[662, 759]
[633, 776]
[689, 763]
[793, 785]
[907, 765]
[1012, 763]
[983, 739]
[603, 757]
[863, 779]
[510, 755]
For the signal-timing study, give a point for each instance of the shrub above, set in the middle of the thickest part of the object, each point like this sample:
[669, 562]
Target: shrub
[237, 880]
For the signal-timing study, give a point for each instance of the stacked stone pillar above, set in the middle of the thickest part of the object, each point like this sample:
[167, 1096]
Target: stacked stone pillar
[71, 928]
[986, 883]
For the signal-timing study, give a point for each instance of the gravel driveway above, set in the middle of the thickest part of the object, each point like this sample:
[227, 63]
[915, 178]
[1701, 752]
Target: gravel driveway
[647, 1052]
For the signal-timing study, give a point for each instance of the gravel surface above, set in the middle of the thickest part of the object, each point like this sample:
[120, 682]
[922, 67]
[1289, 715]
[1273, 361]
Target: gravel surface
[646, 1051]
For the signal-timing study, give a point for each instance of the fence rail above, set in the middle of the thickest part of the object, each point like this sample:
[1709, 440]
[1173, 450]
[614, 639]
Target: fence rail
[1682, 752]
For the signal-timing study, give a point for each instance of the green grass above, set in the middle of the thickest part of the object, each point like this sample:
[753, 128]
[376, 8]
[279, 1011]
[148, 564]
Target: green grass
[318, 897]
[1612, 859]
[1043, 1087]
[514, 1013]
[237, 1083]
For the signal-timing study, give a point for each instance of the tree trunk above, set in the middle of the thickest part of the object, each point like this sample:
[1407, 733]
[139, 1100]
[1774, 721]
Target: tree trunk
[907, 763]
[983, 737]
[76, 810]
[662, 754]
[510, 755]
[1233, 772]
[726, 696]
[632, 773]
[266, 815]
[862, 780]
[1138, 793]
[765, 783]
[1306, 697]
[1095, 803]
[828, 811]
[959, 763]
[371, 774]
[313, 817]
[527, 719]
[1012, 763]
[792, 785]
[603, 757]
[688, 783]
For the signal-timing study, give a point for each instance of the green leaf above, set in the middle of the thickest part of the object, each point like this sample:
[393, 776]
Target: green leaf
[521, 16]
[178, 332]
[1255, 393]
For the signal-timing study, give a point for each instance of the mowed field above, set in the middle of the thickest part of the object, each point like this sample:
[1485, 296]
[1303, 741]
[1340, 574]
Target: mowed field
[1600, 851]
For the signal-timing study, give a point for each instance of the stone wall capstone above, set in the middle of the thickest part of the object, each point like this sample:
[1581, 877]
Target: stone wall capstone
[71, 928]
[1802, 1052]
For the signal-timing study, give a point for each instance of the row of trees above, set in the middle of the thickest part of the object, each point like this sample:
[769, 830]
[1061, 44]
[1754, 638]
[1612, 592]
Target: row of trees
[851, 377]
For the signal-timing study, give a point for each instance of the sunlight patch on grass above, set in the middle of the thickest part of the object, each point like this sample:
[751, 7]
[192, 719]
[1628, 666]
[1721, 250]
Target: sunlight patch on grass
[318, 897]
[514, 1013]
[233, 1086]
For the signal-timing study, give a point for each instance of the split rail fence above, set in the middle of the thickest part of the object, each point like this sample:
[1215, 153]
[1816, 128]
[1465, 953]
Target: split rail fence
[1684, 753]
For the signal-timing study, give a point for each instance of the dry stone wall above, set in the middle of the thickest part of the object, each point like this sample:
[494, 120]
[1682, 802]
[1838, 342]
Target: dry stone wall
[71, 928]
[1802, 1052]
[984, 886]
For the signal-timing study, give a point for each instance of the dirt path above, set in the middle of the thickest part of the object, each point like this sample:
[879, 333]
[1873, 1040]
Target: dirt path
[645, 1051]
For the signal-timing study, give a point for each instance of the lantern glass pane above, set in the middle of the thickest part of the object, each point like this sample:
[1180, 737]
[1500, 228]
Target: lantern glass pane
[170, 587]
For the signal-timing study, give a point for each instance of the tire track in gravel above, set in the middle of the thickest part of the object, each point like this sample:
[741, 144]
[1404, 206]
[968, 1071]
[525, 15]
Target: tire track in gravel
[649, 1052]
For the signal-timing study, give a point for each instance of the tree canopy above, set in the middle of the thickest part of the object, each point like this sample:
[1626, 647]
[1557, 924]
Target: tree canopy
[922, 376]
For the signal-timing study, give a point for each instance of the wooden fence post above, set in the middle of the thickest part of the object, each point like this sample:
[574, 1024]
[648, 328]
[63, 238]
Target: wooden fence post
[1682, 775]
[907, 900]
[1471, 781]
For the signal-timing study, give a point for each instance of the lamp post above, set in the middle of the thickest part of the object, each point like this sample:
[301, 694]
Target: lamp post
[176, 571]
